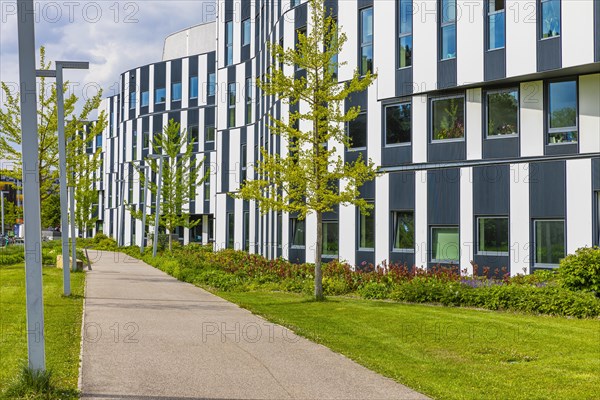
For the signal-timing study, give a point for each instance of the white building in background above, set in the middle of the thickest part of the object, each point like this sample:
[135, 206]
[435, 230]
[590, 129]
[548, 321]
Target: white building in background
[485, 119]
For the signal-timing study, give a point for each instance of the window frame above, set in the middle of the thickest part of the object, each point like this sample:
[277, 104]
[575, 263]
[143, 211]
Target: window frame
[540, 7]
[366, 132]
[360, 226]
[401, 35]
[246, 37]
[231, 104]
[192, 80]
[537, 264]
[438, 261]
[249, 99]
[293, 223]
[228, 43]
[492, 253]
[395, 213]
[211, 84]
[246, 223]
[331, 256]
[444, 24]
[191, 136]
[206, 128]
[487, 112]
[361, 44]
[132, 100]
[156, 97]
[385, 107]
[206, 183]
[431, 118]
[243, 162]
[547, 103]
[145, 95]
[180, 86]
[230, 244]
[488, 31]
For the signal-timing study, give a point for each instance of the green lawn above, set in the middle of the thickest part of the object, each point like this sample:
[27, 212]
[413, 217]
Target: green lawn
[448, 353]
[62, 327]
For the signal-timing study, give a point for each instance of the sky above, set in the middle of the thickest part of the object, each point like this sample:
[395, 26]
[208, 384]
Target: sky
[114, 36]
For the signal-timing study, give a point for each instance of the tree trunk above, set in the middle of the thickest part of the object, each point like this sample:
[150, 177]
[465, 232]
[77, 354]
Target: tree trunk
[318, 255]
[170, 241]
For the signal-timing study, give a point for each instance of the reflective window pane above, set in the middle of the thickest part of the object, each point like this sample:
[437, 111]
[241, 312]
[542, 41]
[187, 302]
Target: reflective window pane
[445, 245]
[563, 104]
[145, 99]
[448, 48]
[549, 242]
[193, 87]
[246, 32]
[405, 16]
[357, 131]
[405, 51]
[398, 123]
[404, 230]
[550, 18]
[493, 235]
[503, 113]
[366, 59]
[210, 133]
[448, 118]
[448, 11]
[176, 91]
[298, 232]
[496, 30]
[212, 84]
[160, 95]
[366, 25]
[367, 230]
[330, 239]
[495, 5]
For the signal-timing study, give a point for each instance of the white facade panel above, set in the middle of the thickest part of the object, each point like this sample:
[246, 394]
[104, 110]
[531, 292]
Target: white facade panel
[532, 119]
[348, 22]
[577, 31]
[474, 125]
[521, 37]
[519, 219]
[579, 204]
[425, 56]
[589, 113]
[384, 53]
[420, 128]
[469, 38]
[347, 226]
[421, 227]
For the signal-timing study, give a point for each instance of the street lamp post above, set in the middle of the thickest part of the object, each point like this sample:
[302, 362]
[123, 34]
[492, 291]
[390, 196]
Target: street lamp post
[62, 164]
[121, 217]
[146, 169]
[36, 351]
[158, 194]
[2, 205]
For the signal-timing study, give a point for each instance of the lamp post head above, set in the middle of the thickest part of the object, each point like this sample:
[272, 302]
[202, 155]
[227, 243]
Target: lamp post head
[45, 73]
[73, 64]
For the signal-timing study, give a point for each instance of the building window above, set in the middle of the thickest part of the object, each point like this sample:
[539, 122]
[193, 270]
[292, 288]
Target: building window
[445, 245]
[366, 230]
[448, 29]
[246, 32]
[597, 235]
[229, 43]
[243, 162]
[194, 87]
[496, 23]
[404, 231]
[193, 134]
[176, 91]
[210, 133]
[132, 100]
[145, 140]
[549, 242]
[299, 32]
[330, 239]
[448, 118]
[357, 131]
[562, 112]
[145, 98]
[492, 233]
[398, 124]
[231, 105]
[550, 24]
[333, 68]
[99, 141]
[160, 95]
[246, 231]
[230, 230]
[366, 40]
[134, 145]
[405, 45]
[503, 112]
[248, 100]
[212, 84]
[294, 3]
[207, 184]
[298, 233]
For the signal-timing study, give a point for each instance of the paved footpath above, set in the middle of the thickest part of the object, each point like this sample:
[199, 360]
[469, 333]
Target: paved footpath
[149, 336]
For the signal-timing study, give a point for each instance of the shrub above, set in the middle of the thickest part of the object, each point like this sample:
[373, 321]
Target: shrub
[333, 286]
[581, 271]
[374, 290]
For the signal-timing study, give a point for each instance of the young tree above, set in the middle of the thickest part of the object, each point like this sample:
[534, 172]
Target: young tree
[312, 177]
[179, 178]
[10, 126]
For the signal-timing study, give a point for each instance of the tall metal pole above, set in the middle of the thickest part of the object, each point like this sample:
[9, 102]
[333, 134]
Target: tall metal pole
[62, 178]
[157, 217]
[31, 189]
[2, 200]
[73, 236]
[145, 196]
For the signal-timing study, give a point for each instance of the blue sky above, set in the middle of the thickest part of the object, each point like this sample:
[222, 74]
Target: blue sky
[113, 36]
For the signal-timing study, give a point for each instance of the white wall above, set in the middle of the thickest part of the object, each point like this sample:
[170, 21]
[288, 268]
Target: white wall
[519, 218]
[425, 55]
[382, 219]
[577, 31]
[421, 228]
[469, 37]
[579, 204]
[466, 219]
[385, 42]
[521, 37]
[420, 128]
[589, 113]
[474, 124]
[532, 118]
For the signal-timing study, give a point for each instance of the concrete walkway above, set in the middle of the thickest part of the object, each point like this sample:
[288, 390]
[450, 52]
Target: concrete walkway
[149, 336]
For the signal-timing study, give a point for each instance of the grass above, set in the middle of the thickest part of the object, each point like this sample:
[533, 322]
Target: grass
[62, 318]
[448, 353]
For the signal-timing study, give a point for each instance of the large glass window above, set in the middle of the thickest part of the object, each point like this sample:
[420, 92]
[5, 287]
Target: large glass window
[448, 29]
[549, 242]
[445, 244]
[366, 40]
[210, 133]
[496, 22]
[405, 19]
[145, 140]
[299, 32]
[176, 91]
[207, 184]
[246, 231]
[597, 235]
[99, 141]
[132, 100]
[503, 112]
[398, 123]
[246, 32]
[562, 112]
[193, 134]
[230, 230]
[366, 226]
[448, 118]
[145, 99]
[243, 162]
[357, 132]
[212, 84]
[404, 231]
[229, 43]
[194, 87]
[334, 57]
[160, 95]
[550, 19]
[231, 105]
[248, 100]
[330, 239]
[298, 232]
[492, 235]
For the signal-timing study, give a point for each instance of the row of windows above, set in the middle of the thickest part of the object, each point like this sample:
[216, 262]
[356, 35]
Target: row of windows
[492, 237]
[160, 94]
[447, 121]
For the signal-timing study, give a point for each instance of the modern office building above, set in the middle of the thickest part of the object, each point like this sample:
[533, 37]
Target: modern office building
[484, 119]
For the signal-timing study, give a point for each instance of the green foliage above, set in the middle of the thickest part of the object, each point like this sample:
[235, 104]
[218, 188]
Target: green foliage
[581, 271]
[311, 177]
[374, 290]
[50, 212]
